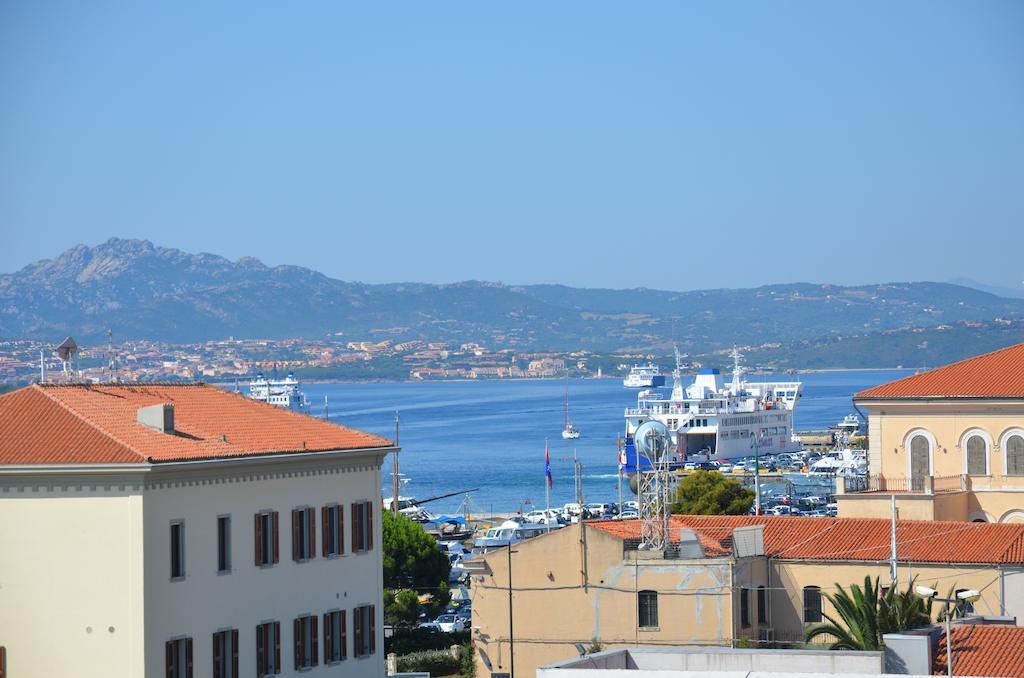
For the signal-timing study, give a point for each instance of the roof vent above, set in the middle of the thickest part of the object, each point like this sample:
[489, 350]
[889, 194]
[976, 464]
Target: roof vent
[689, 545]
[157, 417]
[748, 541]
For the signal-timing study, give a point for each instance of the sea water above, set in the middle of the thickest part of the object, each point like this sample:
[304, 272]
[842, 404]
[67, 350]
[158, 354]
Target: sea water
[487, 438]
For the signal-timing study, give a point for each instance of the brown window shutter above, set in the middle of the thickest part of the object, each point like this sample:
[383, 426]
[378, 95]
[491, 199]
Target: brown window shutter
[234, 653]
[344, 636]
[218, 656]
[188, 658]
[341, 528]
[297, 630]
[169, 656]
[295, 535]
[327, 638]
[369, 526]
[277, 542]
[259, 540]
[261, 650]
[373, 629]
[324, 525]
[314, 635]
[357, 629]
[277, 646]
[311, 532]
[355, 529]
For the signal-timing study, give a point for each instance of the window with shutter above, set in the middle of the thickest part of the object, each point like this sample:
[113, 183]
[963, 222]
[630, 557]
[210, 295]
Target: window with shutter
[369, 526]
[277, 542]
[268, 649]
[177, 549]
[373, 630]
[258, 532]
[977, 456]
[343, 636]
[234, 653]
[325, 545]
[1015, 455]
[812, 604]
[296, 535]
[277, 646]
[178, 658]
[357, 632]
[261, 650]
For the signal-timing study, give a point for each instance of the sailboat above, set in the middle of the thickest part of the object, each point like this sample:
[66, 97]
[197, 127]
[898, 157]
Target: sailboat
[569, 432]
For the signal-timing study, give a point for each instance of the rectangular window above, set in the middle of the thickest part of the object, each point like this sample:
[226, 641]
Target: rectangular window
[225, 654]
[305, 636]
[267, 550]
[362, 526]
[268, 649]
[745, 608]
[177, 549]
[762, 605]
[812, 604]
[224, 544]
[647, 609]
[179, 658]
[335, 637]
[303, 534]
[333, 531]
[364, 621]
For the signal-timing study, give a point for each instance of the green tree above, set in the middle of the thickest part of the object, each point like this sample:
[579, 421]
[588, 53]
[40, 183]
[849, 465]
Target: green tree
[412, 559]
[401, 608]
[709, 493]
[865, 615]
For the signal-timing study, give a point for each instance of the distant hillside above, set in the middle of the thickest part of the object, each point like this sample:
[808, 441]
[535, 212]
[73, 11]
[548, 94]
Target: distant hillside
[144, 291]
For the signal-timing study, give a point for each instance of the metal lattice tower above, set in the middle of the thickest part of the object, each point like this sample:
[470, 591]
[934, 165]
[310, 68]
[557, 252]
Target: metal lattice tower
[652, 445]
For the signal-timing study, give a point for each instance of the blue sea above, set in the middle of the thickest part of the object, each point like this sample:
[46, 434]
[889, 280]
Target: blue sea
[489, 436]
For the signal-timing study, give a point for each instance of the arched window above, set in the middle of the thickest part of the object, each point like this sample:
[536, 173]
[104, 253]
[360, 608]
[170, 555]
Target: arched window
[647, 608]
[920, 461]
[977, 456]
[1015, 455]
[812, 604]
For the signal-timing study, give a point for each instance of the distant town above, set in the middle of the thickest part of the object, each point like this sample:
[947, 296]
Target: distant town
[22, 361]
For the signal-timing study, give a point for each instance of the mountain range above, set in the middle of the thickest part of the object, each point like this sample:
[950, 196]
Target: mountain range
[141, 290]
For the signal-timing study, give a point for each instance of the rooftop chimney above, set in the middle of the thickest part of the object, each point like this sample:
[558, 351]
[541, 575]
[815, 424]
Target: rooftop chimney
[157, 417]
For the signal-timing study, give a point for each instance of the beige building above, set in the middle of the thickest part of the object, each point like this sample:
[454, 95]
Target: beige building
[183, 531]
[948, 444]
[727, 580]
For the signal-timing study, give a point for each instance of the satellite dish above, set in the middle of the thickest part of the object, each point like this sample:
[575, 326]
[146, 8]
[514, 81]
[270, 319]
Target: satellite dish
[67, 350]
[651, 439]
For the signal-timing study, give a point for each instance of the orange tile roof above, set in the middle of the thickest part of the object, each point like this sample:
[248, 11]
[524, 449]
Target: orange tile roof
[96, 424]
[868, 539]
[999, 374]
[982, 650]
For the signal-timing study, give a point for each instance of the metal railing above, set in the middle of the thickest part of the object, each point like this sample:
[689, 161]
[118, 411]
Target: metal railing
[912, 485]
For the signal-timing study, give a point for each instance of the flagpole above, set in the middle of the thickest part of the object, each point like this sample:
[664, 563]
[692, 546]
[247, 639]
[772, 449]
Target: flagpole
[618, 447]
[547, 478]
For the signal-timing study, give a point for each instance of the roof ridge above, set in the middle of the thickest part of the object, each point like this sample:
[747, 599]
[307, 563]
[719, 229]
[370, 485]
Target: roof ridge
[85, 420]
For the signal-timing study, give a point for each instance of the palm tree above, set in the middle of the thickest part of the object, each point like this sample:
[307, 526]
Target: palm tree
[866, 615]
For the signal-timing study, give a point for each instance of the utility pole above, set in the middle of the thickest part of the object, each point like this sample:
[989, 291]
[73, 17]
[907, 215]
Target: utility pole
[757, 476]
[394, 470]
[892, 553]
[511, 634]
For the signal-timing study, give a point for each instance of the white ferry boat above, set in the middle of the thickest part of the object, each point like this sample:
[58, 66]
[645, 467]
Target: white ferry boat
[644, 376]
[710, 419]
[281, 392]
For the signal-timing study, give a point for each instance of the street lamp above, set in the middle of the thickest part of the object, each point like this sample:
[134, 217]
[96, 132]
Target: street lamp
[968, 596]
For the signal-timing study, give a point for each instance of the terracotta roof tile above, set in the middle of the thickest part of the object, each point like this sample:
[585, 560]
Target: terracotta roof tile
[999, 374]
[96, 424]
[983, 650]
[808, 538]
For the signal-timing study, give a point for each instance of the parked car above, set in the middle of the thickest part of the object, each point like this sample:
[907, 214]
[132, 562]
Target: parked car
[627, 514]
[430, 626]
[708, 466]
[597, 510]
[450, 623]
[543, 517]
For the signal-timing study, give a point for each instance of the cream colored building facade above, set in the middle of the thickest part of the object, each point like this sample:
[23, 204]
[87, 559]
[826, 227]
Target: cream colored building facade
[105, 566]
[587, 582]
[948, 444]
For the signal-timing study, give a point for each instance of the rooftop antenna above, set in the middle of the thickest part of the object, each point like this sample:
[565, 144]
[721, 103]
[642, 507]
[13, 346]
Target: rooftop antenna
[394, 470]
[677, 376]
[737, 370]
[652, 443]
[67, 352]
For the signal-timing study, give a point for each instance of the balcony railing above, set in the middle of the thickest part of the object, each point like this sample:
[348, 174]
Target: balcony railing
[913, 485]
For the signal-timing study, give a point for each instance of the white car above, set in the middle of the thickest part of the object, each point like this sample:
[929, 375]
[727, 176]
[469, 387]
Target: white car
[627, 514]
[450, 623]
[548, 517]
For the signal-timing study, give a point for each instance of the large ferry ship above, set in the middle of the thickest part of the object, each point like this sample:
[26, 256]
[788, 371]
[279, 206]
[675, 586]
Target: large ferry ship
[281, 392]
[644, 376]
[710, 419]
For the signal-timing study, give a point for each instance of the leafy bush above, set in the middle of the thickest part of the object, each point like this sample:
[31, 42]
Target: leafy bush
[420, 640]
[436, 662]
[467, 667]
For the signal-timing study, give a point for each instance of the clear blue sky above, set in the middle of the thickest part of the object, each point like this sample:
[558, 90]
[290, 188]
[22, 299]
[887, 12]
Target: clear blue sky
[674, 144]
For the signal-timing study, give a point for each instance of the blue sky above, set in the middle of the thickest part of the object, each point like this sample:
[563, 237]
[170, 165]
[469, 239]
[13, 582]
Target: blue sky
[676, 145]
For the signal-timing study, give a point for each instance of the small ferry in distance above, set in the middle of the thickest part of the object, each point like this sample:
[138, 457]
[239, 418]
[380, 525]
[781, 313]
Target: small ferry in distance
[644, 376]
[280, 392]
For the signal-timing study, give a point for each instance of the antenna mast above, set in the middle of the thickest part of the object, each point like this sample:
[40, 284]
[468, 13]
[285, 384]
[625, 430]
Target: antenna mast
[394, 470]
[652, 443]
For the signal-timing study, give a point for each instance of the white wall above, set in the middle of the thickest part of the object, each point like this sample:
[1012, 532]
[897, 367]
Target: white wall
[205, 601]
[71, 583]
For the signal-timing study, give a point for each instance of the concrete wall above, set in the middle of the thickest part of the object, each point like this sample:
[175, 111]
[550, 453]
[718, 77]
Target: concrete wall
[206, 601]
[71, 576]
[568, 592]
